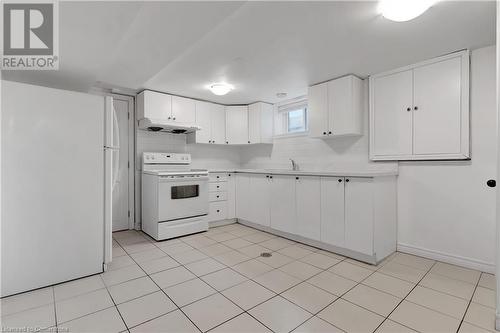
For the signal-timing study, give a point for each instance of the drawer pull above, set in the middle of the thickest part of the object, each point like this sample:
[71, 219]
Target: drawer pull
[218, 210]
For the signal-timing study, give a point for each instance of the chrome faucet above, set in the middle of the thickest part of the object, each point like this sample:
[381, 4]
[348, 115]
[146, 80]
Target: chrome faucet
[295, 166]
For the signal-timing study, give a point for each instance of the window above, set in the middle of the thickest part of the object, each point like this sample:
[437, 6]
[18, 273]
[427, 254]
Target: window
[291, 117]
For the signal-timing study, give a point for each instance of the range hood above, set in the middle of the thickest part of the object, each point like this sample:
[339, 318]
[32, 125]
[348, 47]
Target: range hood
[170, 127]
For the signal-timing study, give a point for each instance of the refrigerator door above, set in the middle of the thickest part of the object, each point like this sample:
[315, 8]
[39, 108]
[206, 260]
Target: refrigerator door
[52, 186]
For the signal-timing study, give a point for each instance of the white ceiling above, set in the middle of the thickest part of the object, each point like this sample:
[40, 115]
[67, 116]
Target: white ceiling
[260, 47]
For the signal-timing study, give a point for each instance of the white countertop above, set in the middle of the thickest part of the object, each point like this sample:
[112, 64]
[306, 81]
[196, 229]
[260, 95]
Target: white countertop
[336, 173]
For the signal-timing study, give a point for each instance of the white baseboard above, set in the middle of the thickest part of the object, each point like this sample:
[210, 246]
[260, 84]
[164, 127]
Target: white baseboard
[220, 223]
[448, 258]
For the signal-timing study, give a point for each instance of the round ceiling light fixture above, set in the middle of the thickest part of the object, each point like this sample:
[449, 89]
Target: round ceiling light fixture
[220, 88]
[404, 10]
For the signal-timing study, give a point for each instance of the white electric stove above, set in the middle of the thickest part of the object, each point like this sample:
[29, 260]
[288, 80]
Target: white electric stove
[174, 196]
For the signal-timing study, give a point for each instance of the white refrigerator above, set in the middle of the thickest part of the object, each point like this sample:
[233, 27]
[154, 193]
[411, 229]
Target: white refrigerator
[57, 151]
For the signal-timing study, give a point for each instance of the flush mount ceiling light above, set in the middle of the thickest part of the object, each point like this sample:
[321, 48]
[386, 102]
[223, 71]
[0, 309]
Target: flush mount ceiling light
[404, 10]
[220, 88]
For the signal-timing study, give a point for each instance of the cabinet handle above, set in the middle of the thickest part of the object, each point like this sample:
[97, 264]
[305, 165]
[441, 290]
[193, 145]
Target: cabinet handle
[173, 118]
[324, 133]
[297, 178]
[217, 197]
[217, 186]
[415, 108]
[218, 210]
[340, 180]
[217, 177]
[267, 176]
[169, 118]
[347, 180]
[229, 175]
[271, 177]
[227, 142]
[329, 132]
[408, 109]
[491, 183]
[248, 141]
[209, 141]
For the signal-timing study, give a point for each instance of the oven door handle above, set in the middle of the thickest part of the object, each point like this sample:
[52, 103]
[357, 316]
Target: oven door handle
[165, 179]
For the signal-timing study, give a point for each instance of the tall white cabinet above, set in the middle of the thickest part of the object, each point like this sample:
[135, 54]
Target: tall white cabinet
[260, 123]
[335, 108]
[421, 112]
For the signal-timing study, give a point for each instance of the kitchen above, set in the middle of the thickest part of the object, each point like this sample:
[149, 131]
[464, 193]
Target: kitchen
[254, 179]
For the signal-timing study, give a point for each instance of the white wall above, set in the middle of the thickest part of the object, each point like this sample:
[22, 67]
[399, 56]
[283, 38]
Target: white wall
[345, 153]
[445, 209]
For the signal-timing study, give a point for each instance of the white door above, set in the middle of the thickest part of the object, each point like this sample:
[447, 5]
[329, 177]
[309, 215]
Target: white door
[121, 177]
[237, 125]
[308, 199]
[203, 119]
[183, 110]
[392, 114]
[359, 215]
[218, 121]
[254, 123]
[283, 216]
[259, 199]
[332, 211]
[436, 113]
[317, 110]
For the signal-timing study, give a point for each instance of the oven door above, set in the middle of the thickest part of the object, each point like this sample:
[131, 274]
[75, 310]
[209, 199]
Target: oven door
[182, 197]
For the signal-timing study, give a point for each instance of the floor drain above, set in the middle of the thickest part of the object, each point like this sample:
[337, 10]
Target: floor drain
[265, 254]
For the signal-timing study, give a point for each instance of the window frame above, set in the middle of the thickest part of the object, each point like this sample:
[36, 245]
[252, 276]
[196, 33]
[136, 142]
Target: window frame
[282, 111]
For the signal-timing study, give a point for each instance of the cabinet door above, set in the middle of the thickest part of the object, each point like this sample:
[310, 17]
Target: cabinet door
[283, 203]
[332, 211]
[345, 106]
[218, 131]
[183, 110]
[237, 124]
[359, 215]
[437, 108]
[254, 111]
[259, 199]
[203, 119]
[156, 106]
[317, 110]
[266, 123]
[391, 122]
[231, 196]
[308, 201]
[242, 196]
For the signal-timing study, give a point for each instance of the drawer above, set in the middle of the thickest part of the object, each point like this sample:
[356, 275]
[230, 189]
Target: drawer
[217, 196]
[217, 177]
[217, 211]
[217, 187]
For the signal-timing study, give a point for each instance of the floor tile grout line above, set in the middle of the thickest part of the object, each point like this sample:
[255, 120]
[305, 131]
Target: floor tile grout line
[175, 304]
[116, 307]
[469, 303]
[404, 298]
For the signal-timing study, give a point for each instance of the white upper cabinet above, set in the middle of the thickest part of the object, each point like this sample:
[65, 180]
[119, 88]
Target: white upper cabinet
[218, 122]
[183, 110]
[164, 108]
[421, 112]
[155, 106]
[204, 120]
[335, 108]
[392, 129]
[260, 123]
[212, 120]
[237, 125]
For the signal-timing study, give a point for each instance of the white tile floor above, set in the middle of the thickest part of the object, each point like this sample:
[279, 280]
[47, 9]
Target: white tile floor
[217, 281]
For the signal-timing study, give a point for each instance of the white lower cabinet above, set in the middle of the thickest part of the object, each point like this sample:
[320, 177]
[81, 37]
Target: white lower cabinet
[282, 195]
[308, 206]
[258, 199]
[221, 197]
[332, 211]
[354, 216]
[359, 215]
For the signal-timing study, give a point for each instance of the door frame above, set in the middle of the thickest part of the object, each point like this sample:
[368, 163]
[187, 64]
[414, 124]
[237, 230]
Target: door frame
[131, 155]
[497, 269]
